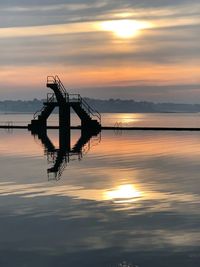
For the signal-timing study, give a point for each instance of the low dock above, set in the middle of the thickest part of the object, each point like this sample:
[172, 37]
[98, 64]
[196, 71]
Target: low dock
[112, 128]
[149, 128]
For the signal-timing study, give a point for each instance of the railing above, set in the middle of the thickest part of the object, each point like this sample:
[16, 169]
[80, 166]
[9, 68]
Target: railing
[36, 114]
[50, 99]
[94, 141]
[62, 168]
[75, 97]
[91, 111]
[57, 174]
[56, 80]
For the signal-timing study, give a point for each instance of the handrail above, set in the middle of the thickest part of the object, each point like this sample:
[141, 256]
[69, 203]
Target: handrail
[36, 114]
[56, 80]
[49, 100]
[62, 168]
[51, 97]
[86, 148]
[61, 86]
[91, 111]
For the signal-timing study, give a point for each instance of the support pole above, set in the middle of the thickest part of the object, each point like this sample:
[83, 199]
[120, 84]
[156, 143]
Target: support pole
[64, 126]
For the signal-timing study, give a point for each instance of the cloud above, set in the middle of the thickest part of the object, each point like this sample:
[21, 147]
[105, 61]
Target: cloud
[65, 37]
[21, 13]
[157, 46]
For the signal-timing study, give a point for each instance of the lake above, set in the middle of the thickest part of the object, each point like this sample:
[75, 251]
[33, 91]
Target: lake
[124, 198]
[118, 119]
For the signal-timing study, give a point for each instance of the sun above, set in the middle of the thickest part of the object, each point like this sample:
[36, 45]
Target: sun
[124, 28]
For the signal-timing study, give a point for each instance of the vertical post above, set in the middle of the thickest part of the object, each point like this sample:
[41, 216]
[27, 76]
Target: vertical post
[64, 126]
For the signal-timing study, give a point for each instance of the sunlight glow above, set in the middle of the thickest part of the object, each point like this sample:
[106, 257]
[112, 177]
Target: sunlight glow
[125, 28]
[128, 119]
[125, 193]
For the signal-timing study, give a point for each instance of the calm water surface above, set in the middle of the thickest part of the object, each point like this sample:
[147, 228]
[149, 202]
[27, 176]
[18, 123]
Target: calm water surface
[119, 119]
[127, 197]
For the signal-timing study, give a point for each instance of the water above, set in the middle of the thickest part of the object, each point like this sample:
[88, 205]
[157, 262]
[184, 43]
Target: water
[118, 119]
[129, 199]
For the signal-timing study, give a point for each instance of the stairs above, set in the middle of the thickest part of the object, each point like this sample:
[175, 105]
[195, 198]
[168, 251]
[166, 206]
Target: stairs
[59, 166]
[46, 111]
[60, 92]
[46, 142]
[85, 117]
[83, 140]
[90, 118]
[40, 117]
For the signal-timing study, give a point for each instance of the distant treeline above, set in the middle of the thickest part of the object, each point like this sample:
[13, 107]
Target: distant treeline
[111, 105]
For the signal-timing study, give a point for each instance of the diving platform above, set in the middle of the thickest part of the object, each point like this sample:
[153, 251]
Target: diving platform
[90, 118]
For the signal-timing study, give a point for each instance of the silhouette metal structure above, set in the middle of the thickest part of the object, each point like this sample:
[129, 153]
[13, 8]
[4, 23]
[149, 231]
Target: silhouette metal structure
[90, 125]
[90, 118]
[60, 157]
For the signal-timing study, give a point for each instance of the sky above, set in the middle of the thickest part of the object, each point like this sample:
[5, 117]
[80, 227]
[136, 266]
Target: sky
[139, 49]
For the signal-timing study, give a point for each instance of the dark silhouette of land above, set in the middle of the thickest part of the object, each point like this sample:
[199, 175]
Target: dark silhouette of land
[90, 118]
[111, 105]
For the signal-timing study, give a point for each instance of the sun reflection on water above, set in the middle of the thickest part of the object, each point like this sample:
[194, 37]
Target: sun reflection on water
[123, 194]
[128, 119]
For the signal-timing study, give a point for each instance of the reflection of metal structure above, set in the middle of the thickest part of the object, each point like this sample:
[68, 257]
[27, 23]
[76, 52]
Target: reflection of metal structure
[9, 125]
[90, 126]
[60, 157]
